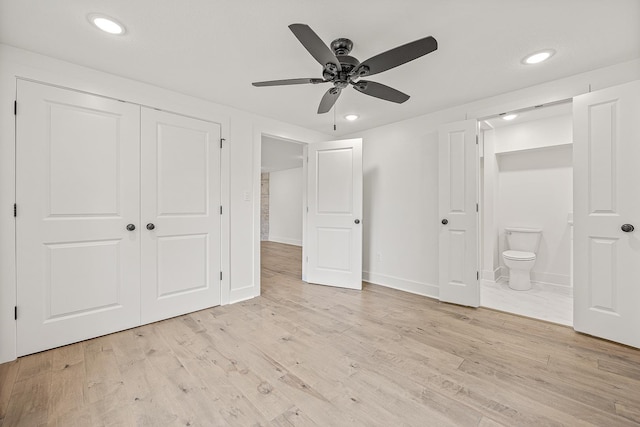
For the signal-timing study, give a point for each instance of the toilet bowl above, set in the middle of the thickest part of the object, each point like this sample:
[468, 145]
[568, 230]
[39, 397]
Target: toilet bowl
[519, 264]
[521, 256]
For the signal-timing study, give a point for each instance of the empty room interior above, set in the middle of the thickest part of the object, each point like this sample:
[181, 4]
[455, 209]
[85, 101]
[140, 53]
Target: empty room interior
[330, 213]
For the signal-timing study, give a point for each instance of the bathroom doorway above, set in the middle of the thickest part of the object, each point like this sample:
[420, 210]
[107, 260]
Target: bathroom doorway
[526, 182]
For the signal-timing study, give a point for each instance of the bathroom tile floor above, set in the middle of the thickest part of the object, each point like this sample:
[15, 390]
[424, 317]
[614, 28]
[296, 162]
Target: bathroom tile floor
[540, 302]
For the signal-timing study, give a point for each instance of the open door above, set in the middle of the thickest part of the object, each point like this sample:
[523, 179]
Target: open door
[334, 214]
[458, 196]
[607, 213]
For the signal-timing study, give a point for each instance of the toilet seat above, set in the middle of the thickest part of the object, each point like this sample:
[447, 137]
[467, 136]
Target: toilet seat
[519, 255]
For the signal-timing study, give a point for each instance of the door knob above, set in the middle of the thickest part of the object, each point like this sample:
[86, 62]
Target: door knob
[357, 221]
[131, 227]
[150, 226]
[627, 228]
[445, 221]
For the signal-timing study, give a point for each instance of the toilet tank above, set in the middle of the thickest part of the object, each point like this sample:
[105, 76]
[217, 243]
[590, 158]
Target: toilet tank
[523, 239]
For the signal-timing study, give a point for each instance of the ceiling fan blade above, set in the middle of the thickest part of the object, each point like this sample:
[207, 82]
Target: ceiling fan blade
[330, 97]
[314, 45]
[397, 56]
[380, 91]
[287, 82]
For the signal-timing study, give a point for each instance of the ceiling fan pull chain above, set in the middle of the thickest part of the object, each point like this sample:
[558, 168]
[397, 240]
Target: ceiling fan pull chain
[334, 118]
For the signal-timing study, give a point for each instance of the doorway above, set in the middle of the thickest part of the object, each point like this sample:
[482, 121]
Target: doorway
[526, 182]
[282, 190]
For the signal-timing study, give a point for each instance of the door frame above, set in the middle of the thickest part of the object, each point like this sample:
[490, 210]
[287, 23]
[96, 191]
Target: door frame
[286, 135]
[480, 180]
[257, 191]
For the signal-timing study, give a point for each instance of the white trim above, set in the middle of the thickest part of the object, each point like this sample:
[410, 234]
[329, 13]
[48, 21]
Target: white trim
[559, 283]
[300, 136]
[491, 276]
[285, 240]
[418, 288]
[237, 295]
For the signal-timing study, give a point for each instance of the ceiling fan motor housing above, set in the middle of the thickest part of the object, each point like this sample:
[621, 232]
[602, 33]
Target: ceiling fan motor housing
[341, 46]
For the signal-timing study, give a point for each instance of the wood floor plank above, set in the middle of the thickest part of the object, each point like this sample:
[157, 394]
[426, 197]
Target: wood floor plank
[66, 400]
[8, 374]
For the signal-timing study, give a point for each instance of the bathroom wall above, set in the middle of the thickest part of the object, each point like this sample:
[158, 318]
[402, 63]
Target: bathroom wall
[285, 206]
[535, 189]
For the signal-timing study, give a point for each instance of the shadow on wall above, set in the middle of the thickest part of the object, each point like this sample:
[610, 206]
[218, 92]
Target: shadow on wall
[549, 158]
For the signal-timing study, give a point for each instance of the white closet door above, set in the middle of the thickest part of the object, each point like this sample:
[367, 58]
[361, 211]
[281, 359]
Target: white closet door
[458, 195]
[334, 192]
[606, 251]
[77, 188]
[180, 199]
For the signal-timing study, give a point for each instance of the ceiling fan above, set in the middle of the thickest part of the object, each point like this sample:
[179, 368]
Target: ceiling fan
[343, 70]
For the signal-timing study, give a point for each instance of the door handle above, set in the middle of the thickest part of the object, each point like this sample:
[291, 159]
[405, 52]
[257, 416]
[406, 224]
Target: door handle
[357, 221]
[150, 226]
[131, 227]
[445, 221]
[627, 228]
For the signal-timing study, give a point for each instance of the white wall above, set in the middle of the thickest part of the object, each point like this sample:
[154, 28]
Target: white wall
[534, 134]
[534, 188]
[400, 162]
[285, 206]
[240, 168]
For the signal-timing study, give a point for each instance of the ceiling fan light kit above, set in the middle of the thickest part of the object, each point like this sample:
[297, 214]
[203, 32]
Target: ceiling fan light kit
[342, 70]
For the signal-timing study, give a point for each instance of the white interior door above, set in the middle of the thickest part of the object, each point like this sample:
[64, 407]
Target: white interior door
[458, 198]
[77, 188]
[606, 174]
[334, 218]
[180, 220]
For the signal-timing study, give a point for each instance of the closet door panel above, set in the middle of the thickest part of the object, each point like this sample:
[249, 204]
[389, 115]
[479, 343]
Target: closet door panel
[180, 202]
[77, 188]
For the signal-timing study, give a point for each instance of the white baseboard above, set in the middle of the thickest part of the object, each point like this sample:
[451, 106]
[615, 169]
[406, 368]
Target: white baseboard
[424, 289]
[549, 281]
[491, 275]
[243, 294]
[285, 240]
[551, 278]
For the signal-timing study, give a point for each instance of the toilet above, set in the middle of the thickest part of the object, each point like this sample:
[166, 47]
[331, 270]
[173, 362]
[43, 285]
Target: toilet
[521, 256]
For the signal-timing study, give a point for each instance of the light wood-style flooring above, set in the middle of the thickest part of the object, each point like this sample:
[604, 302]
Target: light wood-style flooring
[313, 355]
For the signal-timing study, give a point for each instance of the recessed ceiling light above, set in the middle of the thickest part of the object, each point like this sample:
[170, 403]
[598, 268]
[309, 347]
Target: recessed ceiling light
[509, 117]
[351, 117]
[538, 57]
[107, 24]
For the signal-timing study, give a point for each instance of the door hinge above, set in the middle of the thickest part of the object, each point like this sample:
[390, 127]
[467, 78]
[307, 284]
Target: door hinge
[15, 210]
[477, 275]
[477, 208]
[307, 209]
[476, 139]
[221, 141]
[220, 209]
[15, 108]
[221, 276]
[15, 312]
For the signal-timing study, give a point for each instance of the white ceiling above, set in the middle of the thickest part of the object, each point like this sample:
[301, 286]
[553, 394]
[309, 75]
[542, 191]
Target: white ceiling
[278, 154]
[214, 49]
